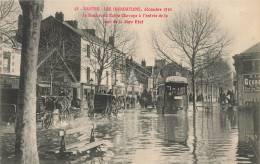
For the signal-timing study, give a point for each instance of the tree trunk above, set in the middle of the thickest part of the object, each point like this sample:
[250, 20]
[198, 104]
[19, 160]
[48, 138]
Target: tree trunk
[193, 85]
[99, 80]
[194, 94]
[26, 140]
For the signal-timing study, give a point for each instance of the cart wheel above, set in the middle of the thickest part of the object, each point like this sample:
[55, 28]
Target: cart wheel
[115, 111]
[108, 111]
[12, 119]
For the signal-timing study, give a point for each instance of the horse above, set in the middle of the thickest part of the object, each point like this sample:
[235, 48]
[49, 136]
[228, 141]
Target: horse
[63, 104]
[121, 102]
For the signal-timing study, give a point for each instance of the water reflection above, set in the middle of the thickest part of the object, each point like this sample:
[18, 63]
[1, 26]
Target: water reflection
[206, 137]
[246, 136]
[174, 127]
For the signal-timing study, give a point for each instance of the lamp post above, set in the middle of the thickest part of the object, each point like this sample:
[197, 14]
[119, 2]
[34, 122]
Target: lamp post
[91, 84]
[114, 92]
[113, 88]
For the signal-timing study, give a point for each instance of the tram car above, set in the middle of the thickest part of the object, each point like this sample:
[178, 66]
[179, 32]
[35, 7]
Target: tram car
[172, 95]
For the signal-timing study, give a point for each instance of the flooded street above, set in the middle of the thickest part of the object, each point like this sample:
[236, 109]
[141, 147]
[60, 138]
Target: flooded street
[143, 136]
[146, 137]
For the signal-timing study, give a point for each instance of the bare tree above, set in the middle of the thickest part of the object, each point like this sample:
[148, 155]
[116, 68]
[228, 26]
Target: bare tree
[219, 74]
[59, 52]
[196, 37]
[8, 15]
[25, 129]
[112, 43]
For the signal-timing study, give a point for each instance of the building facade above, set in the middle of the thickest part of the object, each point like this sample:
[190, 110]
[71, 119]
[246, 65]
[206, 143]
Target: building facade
[10, 56]
[137, 77]
[247, 82]
[69, 59]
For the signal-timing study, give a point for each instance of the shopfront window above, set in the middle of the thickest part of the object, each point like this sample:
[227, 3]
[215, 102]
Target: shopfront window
[247, 66]
[257, 65]
[6, 62]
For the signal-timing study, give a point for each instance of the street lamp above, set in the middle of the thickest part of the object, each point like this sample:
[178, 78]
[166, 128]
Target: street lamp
[91, 84]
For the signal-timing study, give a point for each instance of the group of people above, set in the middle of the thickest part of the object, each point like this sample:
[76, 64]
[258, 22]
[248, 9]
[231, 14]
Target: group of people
[227, 97]
[145, 99]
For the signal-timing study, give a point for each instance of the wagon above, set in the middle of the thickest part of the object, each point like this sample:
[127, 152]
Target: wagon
[104, 104]
[51, 107]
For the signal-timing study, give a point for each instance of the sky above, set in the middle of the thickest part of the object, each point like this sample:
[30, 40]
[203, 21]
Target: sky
[239, 17]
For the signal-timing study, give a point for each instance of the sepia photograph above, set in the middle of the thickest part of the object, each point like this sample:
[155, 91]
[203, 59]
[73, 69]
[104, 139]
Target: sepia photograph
[120, 81]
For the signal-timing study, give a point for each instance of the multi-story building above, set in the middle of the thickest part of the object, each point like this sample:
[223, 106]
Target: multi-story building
[137, 77]
[247, 80]
[10, 56]
[69, 59]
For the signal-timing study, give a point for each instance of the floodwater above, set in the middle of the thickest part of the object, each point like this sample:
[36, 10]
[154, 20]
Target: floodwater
[139, 136]
[144, 137]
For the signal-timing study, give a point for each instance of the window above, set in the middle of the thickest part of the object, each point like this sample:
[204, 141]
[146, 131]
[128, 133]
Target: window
[106, 57]
[99, 52]
[88, 73]
[88, 51]
[98, 55]
[7, 62]
[107, 78]
[97, 73]
[247, 66]
[257, 67]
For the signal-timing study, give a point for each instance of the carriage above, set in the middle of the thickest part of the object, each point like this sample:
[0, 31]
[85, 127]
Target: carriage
[51, 108]
[105, 104]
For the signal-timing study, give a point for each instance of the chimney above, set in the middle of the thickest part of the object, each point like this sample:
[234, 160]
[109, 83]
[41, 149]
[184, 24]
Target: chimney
[59, 16]
[73, 23]
[112, 40]
[91, 32]
[143, 63]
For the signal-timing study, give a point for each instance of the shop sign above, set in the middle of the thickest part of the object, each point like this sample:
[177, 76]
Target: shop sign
[9, 82]
[251, 83]
[176, 79]
[45, 85]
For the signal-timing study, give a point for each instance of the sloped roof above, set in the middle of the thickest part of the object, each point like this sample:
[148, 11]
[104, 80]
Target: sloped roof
[141, 73]
[253, 49]
[84, 34]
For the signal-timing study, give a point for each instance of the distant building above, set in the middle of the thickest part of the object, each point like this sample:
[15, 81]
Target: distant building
[74, 61]
[162, 70]
[137, 77]
[247, 80]
[10, 58]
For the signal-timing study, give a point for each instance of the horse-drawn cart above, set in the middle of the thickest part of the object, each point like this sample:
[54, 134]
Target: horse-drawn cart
[104, 104]
[52, 107]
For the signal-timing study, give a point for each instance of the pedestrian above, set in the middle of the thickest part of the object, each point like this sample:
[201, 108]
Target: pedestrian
[190, 97]
[232, 98]
[110, 92]
[229, 96]
[62, 93]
